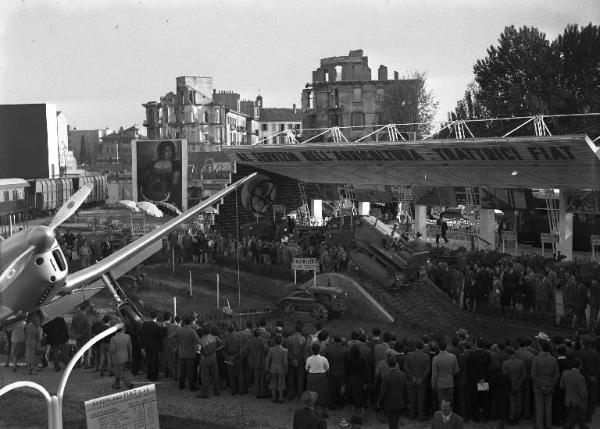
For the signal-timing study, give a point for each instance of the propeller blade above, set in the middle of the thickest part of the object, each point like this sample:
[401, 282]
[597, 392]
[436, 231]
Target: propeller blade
[70, 207]
[15, 268]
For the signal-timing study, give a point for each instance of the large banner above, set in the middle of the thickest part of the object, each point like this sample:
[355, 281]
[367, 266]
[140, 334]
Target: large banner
[157, 171]
[434, 196]
[583, 202]
[505, 199]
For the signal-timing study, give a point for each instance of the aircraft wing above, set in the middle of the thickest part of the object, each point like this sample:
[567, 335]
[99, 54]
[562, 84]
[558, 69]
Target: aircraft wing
[95, 271]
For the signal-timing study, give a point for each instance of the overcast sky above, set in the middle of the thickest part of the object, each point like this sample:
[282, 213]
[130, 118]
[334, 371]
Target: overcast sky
[98, 61]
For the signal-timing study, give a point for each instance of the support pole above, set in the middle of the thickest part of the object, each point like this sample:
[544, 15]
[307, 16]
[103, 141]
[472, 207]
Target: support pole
[191, 291]
[173, 256]
[174, 306]
[218, 292]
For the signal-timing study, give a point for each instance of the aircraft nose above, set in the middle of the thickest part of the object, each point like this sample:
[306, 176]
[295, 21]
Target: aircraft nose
[42, 238]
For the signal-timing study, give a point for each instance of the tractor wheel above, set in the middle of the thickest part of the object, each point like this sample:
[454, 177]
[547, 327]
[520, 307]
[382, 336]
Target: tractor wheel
[319, 312]
[289, 309]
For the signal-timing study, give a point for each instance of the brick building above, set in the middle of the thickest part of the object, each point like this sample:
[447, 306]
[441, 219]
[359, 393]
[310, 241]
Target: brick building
[343, 94]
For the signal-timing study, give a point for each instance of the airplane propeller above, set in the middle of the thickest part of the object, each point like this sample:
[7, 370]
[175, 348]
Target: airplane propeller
[69, 208]
[42, 238]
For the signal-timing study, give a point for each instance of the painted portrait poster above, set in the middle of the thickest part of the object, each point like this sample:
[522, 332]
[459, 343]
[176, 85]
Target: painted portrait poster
[157, 172]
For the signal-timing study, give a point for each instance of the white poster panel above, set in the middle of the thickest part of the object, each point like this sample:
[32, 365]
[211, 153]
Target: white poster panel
[131, 409]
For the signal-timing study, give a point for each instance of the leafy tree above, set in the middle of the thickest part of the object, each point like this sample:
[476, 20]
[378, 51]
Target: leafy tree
[526, 74]
[578, 52]
[409, 101]
[517, 78]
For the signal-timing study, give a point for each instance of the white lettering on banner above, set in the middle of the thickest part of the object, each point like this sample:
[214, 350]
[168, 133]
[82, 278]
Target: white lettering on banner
[278, 207]
[305, 264]
[132, 409]
[430, 153]
[595, 240]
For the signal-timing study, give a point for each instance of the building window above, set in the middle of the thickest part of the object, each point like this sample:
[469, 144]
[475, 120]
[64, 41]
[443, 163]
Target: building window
[311, 100]
[358, 119]
[326, 75]
[281, 127]
[338, 73]
[264, 127]
[379, 95]
[205, 118]
[311, 121]
[217, 116]
[357, 95]
[335, 98]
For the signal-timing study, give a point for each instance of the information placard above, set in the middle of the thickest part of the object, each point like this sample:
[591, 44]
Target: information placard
[548, 238]
[131, 409]
[595, 240]
[305, 264]
[509, 235]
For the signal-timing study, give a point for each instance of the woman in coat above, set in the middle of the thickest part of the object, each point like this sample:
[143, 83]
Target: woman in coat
[357, 373]
[33, 342]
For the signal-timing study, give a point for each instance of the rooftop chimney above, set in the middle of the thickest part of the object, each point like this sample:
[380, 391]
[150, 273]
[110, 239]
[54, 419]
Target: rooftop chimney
[395, 75]
[294, 108]
[382, 73]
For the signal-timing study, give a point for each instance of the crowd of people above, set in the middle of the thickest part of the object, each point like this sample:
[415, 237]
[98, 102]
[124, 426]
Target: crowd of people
[544, 291]
[210, 246]
[382, 376]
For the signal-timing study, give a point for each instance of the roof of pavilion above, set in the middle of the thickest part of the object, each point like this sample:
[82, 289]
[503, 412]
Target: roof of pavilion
[569, 161]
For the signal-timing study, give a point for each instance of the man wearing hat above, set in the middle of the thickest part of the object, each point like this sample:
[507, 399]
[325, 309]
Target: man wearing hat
[590, 367]
[305, 417]
[545, 375]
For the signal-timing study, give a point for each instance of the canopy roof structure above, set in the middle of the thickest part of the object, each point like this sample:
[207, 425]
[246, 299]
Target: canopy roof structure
[570, 161]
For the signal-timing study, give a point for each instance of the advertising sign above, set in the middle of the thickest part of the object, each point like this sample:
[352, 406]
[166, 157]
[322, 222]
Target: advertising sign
[505, 199]
[425, 153]
[583, 202]
[158, 168]
[434, 196]
[131, 409]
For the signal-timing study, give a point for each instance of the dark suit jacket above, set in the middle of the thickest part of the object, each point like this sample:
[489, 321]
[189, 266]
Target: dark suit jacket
[306, 418]
[455, 422]
[576, 393]
[152, 336]
[394, 390]
[417, 366]
[277, 360]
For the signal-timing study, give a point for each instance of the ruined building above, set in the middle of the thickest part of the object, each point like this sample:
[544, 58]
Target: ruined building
[343, 94]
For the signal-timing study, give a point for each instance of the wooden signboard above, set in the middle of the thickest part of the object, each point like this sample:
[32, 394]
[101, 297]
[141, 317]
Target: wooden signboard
[509, 236]
[595, 239]
[548, 238]
[306, 264]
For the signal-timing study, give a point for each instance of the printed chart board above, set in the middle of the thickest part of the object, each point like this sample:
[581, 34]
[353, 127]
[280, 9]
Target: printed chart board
[131, 409]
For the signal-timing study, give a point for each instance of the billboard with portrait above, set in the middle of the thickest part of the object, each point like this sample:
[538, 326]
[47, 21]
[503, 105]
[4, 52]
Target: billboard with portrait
[157, 171]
